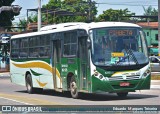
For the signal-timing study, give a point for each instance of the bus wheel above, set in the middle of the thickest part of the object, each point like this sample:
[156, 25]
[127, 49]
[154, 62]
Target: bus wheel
[122, 94]
[29, 84]
[73, 88]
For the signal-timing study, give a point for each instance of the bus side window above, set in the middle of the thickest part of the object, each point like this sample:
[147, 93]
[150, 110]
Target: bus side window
[34, 52]
[44, 51]
[44, 46]
[15, 48]
[15, 53]
[23, 49]
[70, 43]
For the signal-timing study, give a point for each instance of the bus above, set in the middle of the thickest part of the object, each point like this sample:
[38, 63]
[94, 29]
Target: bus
[79, 57]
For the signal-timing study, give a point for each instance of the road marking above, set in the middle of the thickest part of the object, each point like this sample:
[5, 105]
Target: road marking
[155, 81]
[155, 86]
[32, 101]
[16, 101]
[155, 72]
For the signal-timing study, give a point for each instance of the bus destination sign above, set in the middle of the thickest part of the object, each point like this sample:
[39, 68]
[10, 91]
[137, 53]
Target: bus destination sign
[121, 32]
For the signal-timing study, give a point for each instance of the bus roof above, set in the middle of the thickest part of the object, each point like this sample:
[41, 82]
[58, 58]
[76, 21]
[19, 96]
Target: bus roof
[111, 24]
[73, 26]
[61, 25]
[53, 29]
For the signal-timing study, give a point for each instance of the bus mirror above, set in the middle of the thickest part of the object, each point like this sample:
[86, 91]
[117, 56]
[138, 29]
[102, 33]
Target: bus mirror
[144, 34]
[88, 43]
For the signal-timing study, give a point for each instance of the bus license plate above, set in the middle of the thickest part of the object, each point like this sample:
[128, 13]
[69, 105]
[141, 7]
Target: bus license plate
[124, 84]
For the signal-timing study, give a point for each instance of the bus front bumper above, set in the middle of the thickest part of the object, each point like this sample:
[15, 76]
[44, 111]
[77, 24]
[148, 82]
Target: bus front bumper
[114, 86]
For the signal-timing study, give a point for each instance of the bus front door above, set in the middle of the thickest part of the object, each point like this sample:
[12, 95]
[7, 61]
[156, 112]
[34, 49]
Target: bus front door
[83, 63]
[56, 48]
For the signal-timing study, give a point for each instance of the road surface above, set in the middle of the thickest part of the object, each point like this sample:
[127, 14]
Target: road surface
[17, 95]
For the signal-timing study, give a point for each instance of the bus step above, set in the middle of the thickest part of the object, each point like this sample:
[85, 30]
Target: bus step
[59, 90]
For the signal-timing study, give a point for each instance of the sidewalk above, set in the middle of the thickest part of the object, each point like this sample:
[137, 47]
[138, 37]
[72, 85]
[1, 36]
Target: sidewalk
[2, 70]
[4, 67]
[4, 74]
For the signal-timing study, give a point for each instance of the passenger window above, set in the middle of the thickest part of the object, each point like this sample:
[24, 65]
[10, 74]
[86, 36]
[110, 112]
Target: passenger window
[70, 43]
[33, 52]
[15, 48]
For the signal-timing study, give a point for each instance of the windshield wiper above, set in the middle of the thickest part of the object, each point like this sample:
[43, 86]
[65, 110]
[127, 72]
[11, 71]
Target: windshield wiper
[130, 52]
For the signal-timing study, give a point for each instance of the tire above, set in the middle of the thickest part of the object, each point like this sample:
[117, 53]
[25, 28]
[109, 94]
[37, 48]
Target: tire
[73, 88]
[38, 90]
[122, 94]
[29, 84]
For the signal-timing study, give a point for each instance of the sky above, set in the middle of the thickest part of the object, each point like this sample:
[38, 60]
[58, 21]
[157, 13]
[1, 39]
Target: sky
[134, 6]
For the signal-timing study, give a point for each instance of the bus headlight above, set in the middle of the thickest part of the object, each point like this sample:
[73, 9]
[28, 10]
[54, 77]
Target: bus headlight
[146, 73]
[98, 75]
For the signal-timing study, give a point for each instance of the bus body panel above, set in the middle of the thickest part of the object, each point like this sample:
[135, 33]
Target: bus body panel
[69, 68]
[111, 80]
[17, 75]
[114, 86]
[41, 75]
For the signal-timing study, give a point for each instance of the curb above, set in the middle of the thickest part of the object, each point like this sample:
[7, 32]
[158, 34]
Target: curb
[4, 74]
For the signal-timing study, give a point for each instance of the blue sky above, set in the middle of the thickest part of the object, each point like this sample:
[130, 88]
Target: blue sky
[132, 5]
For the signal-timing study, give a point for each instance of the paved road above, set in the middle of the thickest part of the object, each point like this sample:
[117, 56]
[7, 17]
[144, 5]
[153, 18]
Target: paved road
[14, 94]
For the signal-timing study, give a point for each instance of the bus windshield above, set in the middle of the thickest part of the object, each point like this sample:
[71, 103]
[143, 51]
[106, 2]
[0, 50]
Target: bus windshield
[122, 46]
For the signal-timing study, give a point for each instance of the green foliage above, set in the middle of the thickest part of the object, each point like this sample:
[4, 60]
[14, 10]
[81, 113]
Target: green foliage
[79, 8]
[22, 23]
[115, 15]
[150, 11]
[6, 17]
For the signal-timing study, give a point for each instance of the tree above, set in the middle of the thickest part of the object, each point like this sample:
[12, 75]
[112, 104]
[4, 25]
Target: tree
[150, 11]
[78, 8]
[22, 23]
[115, 15]
[6, 17]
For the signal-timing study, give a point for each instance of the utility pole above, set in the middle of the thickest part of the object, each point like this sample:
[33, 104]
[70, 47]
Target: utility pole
[39, 15]
[158, 27]
[89, 12]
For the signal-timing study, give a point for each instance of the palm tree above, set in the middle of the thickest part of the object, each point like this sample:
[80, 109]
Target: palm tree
[150, 11]
[147, 11]
[22, 23]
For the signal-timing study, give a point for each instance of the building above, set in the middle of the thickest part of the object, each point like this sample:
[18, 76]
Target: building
[151, 31]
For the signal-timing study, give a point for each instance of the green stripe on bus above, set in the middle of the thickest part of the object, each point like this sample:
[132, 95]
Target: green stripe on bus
[35, 73]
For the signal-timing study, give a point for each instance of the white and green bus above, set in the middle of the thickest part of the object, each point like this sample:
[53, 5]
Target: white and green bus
[82, 57]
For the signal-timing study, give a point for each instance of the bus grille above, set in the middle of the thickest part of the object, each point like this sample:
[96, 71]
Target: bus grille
[135, 77]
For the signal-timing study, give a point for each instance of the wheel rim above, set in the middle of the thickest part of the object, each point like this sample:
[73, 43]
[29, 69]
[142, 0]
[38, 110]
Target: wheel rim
[28, 85]
[73, 88]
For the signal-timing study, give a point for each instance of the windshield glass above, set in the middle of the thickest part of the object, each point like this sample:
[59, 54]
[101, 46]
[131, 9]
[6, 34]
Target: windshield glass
[118, 46]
